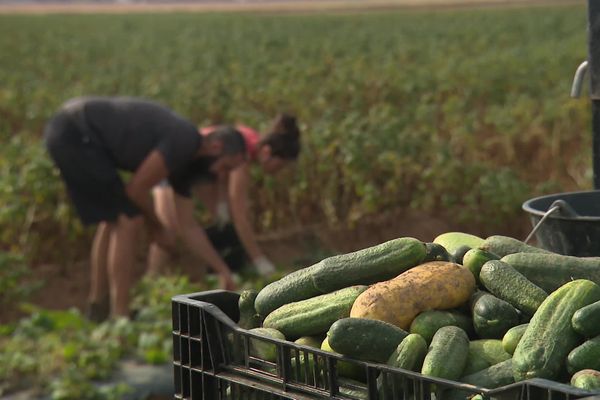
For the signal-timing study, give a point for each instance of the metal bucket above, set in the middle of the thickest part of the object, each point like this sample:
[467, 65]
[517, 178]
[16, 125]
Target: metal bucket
[577, 234]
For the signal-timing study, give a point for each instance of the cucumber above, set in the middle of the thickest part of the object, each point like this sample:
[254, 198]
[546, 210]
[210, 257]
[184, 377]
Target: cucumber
[550, 271]
[585, 356]
[453, 241]
[459, 254]
[512, 338]
[475, 362]
[365, 339]
[587, 379]
[427, 323]
[492, 377]
[447, 355]
[353, 389]
[409, 355]
[504, 245]
[505, 282]
[436, 252]
[305, 370]
[310, 341]
[315, 315]
[248, 317]
[490, 350]
[586, 321]
[549, 338]
[263, 349]
[347, 369]
[474, 259]
[492, 317]
[374, 264]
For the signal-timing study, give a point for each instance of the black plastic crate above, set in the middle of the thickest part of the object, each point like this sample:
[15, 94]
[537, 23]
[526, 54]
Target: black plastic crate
[212, 361]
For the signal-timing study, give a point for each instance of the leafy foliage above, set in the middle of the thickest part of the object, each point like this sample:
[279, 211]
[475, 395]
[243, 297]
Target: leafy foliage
[61, 353]
[15, 282]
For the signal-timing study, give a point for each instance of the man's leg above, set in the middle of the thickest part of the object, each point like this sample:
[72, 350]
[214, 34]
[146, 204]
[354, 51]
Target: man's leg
[99, 301]
[121, 259]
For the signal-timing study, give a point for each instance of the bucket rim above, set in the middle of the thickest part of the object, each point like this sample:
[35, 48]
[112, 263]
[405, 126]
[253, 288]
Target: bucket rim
[529, 209]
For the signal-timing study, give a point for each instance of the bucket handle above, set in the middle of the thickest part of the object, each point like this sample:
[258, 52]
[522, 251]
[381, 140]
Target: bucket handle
[541, 221]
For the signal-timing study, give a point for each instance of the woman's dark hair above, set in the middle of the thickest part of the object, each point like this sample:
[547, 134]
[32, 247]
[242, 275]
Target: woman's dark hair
[283, 137]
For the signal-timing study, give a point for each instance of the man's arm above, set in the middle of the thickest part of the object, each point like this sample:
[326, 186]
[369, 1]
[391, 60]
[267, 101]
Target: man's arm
[152, 170]
[197, 242]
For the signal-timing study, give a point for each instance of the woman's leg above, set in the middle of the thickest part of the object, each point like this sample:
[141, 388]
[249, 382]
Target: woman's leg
[121, 258]
[164, 206]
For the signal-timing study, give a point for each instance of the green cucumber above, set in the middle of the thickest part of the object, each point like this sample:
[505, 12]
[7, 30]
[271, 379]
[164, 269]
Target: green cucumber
[453, 241]
[248, 317]
[304, 369]
[490, 350]
[310, 341]
[459, 254]
[587, 379]
[365, 339]
[492, 317]
[586, 321]
[447, 355]
[263, 349]
[475, 362]
[363, 267]
[549, 338]
[427, 323]
[409, 355]
[474, 259]
[495, 376]
[353, 389]
[585, 356]
[492, 377]
[347, 369]
[436, 252]
[505, 282]
[315, 315]
[504, 245]
[550, 271]
[512, 338]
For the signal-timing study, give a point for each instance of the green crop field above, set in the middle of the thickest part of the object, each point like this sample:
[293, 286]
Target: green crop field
[458, 113]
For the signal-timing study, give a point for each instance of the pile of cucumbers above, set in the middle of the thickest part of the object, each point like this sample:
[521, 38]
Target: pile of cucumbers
[487, 312]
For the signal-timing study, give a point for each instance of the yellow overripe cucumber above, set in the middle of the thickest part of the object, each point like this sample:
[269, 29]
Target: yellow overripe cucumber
[436, 285]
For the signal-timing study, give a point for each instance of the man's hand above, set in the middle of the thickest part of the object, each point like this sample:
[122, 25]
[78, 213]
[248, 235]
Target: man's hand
[263, 266]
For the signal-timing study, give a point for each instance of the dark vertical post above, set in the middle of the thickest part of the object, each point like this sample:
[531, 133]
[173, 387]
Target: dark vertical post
[594, 71]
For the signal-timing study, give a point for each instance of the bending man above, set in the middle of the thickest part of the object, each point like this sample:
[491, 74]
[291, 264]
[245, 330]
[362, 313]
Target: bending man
[92, 140]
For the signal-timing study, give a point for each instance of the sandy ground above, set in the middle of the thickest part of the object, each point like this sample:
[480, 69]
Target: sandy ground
[277, 6]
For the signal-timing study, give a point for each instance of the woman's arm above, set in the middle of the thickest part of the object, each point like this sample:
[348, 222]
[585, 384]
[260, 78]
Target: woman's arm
[197, 242]
[239, 180]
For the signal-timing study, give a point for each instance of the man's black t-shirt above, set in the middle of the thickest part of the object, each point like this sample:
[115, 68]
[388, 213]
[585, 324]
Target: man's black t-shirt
[130, 128]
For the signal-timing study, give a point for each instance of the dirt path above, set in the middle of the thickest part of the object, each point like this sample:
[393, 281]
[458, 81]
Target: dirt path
[266, 6]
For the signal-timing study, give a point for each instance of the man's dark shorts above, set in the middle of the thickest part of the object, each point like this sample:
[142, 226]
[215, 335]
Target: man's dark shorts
[93, 182]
